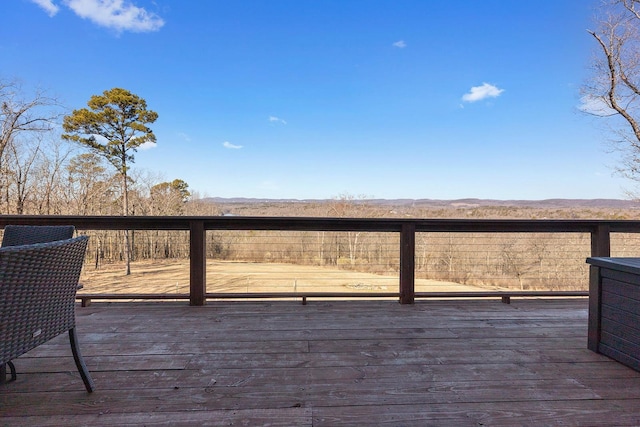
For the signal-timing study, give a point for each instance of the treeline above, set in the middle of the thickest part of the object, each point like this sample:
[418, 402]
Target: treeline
[49, 178]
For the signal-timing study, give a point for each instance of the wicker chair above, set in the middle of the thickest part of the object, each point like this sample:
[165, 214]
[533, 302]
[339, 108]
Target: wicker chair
[15, 235]
[38, 284]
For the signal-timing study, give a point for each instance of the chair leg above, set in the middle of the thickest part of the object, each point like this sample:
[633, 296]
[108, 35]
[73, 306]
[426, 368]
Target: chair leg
[12, 368]
[3, 372]
[77, 357]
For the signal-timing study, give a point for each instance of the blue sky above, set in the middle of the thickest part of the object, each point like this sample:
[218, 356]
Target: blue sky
[312, 99]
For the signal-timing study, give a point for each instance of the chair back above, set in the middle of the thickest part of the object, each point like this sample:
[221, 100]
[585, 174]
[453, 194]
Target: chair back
[38, 286]
[15, 235]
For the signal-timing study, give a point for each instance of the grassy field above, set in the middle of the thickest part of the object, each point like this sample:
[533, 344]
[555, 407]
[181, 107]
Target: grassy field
[172, 276]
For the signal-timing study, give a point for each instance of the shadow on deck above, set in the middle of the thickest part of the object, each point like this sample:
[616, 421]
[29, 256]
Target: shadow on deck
[327, 363]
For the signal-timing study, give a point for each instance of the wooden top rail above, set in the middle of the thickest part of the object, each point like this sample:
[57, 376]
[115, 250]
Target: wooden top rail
[322, 223]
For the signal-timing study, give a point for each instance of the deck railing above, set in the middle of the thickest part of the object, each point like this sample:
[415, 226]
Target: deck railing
[600, 231]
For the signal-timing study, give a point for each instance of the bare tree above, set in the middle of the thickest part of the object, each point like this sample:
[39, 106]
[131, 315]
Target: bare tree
[169, 198]
[49, 193]
[346, 205]
[613, 91]
[19, 177]
[91, 189]
[21, 114]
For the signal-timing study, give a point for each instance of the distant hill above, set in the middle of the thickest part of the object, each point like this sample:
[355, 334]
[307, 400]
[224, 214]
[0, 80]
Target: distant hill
[456, 203]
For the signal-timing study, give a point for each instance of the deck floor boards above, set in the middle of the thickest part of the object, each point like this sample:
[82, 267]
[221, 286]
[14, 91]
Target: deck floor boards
[327, 363]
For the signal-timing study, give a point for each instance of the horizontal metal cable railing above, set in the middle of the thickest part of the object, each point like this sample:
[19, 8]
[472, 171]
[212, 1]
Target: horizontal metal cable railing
[499, 257]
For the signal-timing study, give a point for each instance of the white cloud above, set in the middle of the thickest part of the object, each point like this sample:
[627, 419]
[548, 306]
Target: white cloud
[147, 145]
[595, 105]
[227, 144]
[400, 44]
[478, 93]
[48, 6]
[274, 119]
[120, 15]
[144, 146]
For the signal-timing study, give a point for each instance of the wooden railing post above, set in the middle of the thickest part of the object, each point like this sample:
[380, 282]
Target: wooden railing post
[600, 247]
[407, 263]
[197, 262]
[601, 241]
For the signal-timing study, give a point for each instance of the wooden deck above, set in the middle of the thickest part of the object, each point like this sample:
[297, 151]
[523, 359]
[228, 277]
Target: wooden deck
[327, 363]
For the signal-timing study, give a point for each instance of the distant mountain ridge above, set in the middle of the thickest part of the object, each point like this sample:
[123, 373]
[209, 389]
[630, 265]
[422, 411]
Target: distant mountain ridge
[469, 202]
